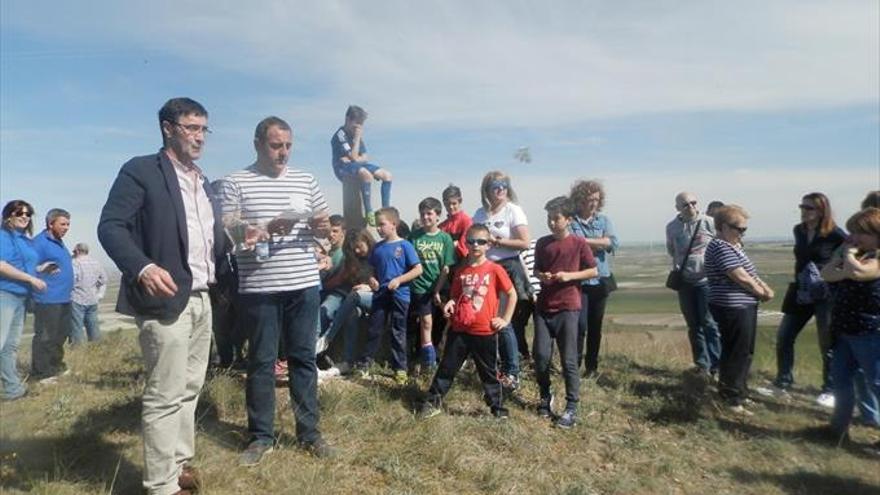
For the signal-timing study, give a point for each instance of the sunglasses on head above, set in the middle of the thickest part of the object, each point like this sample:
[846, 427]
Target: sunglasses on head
[476, 242]
[807, 207]
[23, 213]
[741, 230]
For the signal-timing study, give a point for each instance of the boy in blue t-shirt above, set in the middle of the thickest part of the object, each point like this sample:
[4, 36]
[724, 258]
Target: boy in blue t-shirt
[350, 160]
[396, 264]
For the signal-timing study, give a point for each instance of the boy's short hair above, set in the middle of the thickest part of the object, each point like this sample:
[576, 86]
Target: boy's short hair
[390, 212]
[451, 191]
[431, 203]
[560, 205]
[477, 227]
[337, 221]
[356, 114]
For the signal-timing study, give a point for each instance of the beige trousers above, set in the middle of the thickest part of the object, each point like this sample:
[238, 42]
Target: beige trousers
[175, 356]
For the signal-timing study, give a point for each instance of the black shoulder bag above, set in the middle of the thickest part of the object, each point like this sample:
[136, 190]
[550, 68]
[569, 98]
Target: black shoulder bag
[675, 279]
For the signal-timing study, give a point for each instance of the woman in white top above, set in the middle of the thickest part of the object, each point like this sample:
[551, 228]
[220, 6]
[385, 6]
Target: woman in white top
[508, 227]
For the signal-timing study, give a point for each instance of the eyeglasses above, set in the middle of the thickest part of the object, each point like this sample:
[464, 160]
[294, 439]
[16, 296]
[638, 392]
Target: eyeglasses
[194, 128]
[498, 184]
[741, 230]
[807, 207]
[685, 205]
[476, 242]
[23, 213]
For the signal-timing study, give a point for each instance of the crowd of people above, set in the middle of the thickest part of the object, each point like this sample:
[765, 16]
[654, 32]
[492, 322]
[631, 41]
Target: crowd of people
[257, 260]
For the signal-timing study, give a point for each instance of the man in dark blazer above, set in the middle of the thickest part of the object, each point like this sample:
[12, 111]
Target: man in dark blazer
[162, 228]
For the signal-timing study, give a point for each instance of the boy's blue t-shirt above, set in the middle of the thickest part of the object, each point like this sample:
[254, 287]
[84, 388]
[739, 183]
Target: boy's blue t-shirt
[341, 146]
[393, 259]
[58, 285]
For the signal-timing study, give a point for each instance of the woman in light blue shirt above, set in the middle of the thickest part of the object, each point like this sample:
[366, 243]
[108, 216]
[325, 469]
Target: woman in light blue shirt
[589, 198]
[18, 262]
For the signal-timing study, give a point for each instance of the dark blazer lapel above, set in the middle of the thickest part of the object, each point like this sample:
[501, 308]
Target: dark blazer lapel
[173, 186]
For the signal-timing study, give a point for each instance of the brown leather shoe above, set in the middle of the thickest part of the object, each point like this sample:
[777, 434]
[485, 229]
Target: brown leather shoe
[189, 479]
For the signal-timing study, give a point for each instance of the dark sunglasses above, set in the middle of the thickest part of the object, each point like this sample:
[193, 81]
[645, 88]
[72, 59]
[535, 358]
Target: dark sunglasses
[498, 184]
[476, 242]
[807, 207]
[23, 213]
[741, 230]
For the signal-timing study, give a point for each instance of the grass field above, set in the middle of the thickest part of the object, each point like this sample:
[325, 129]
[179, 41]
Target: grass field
[646, 425]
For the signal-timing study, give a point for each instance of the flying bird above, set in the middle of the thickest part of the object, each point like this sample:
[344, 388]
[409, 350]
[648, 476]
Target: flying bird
[523, 155]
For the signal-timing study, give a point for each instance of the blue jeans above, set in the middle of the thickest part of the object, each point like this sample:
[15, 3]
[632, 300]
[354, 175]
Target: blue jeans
[355, 305]
[851, 353]
[702, 329]
[84, 316]
[329, 309]
[386, 304]
[11, 325]
[789, 328]
[509, 351]
[268, 317]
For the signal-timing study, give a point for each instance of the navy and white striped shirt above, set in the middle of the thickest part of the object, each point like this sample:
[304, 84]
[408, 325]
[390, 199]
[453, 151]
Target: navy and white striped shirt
[720, 258]
[256, 198]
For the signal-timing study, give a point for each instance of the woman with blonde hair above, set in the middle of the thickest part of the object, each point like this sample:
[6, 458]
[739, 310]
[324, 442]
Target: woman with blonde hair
[596, 228]
[509, 234]
[18, 269]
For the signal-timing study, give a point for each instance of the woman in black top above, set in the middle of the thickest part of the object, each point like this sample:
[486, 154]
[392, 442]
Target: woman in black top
[815, 240]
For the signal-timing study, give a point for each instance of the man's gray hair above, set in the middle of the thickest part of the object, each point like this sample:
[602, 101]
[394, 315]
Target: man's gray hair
[55, 213]
[81, 248]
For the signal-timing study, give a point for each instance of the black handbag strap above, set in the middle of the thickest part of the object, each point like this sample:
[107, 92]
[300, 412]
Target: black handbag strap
[691, 245]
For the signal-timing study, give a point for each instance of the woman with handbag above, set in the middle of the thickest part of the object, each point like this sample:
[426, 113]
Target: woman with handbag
[815, 240]
[687, 236]
[18, 268]
[588, 197]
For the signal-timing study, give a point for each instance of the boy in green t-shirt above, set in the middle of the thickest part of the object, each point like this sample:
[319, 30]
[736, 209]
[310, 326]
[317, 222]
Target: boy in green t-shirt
[437, 253]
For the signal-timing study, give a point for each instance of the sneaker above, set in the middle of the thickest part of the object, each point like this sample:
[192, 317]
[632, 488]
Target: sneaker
[281, 371]
[320, 345]
[501, 413]
[254, 453]
[428, 410]
[545, 407]
[319, 448]
[49, 380]
[740, 410]
[567, 420]
[12, 398]
[509, 382]
[772, 391]
[826, 399]
[400, 377]
[327, 374]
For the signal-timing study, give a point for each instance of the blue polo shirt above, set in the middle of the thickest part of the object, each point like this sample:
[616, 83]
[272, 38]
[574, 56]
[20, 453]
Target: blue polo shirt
[18, 251]
[58, 285]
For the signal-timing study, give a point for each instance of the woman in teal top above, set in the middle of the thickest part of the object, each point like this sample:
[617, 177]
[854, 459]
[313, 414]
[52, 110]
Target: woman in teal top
[18, 262]
[588, 197]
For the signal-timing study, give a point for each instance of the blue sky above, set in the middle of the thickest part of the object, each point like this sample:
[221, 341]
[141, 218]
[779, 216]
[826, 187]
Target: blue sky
[749, 102]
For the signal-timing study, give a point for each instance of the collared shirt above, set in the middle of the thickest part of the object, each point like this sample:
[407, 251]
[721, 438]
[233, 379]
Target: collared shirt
[594, 228]
[89, 281]
[678, 238]
[59, 283]
[199, 224]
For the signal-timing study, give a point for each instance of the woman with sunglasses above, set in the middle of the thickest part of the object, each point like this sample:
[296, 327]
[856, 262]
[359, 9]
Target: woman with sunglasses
[734, 292]
[596, 228]
[509, 234]
[18, 268]
[816, 238]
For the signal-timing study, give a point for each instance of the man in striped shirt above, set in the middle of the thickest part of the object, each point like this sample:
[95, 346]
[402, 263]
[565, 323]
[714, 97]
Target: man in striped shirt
[268, 202]
[89, 286]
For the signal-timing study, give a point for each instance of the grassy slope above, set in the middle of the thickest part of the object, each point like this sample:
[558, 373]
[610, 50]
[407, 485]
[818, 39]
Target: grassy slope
[646, 427]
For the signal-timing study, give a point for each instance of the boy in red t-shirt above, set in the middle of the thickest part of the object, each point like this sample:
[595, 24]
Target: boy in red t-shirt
[457, 221]
[562, 260]
[474, 323]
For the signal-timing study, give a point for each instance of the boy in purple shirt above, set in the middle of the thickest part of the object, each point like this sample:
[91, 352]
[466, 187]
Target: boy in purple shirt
[562, 260]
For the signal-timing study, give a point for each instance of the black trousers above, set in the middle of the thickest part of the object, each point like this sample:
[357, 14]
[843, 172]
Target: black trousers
[521, 314]
[593, 299]
[51, 327]
[562, 328]
[483, 349]
[737, 326]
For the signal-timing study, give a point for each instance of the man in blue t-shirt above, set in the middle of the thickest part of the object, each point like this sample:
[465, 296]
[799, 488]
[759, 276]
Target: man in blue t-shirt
[350, 160]
[52, 309]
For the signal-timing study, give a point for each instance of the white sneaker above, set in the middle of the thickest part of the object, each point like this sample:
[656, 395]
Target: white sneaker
[739, 410]
[49, 380]
[328, 373]
[772, 391]
[320, 345]
[826, 399]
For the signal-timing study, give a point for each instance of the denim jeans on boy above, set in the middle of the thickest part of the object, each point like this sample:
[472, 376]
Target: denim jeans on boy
[11, 325]
[387, 305]
[789, 328]
[84, 323]
[852, 352]
[509, 351]
[267, 317]
[702, 329]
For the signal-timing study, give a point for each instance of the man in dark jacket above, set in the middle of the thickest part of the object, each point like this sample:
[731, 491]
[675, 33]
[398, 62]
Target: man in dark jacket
[161, 228]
